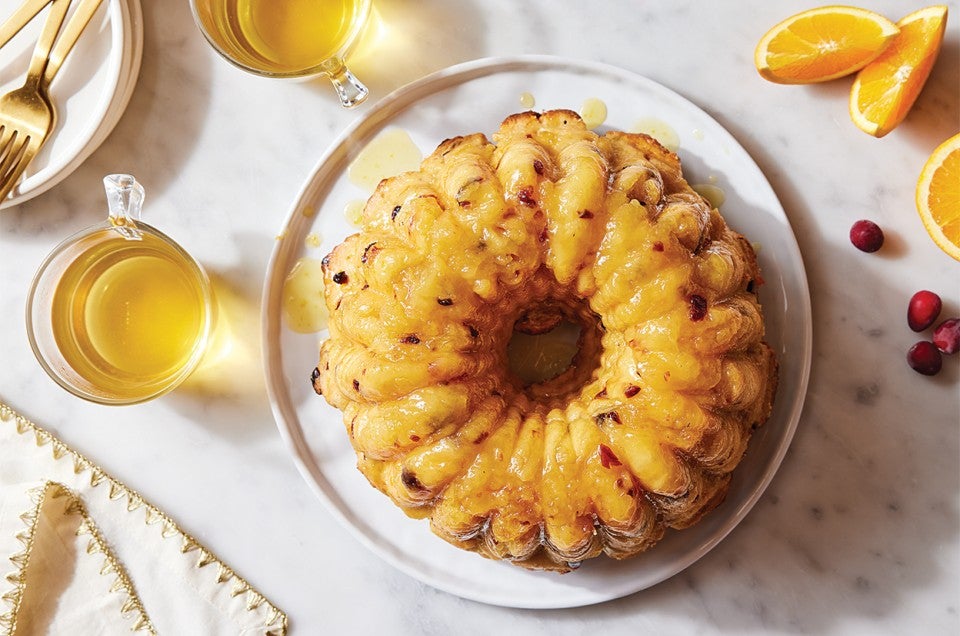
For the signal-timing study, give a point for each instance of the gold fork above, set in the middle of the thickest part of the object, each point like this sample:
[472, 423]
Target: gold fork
[27, 116]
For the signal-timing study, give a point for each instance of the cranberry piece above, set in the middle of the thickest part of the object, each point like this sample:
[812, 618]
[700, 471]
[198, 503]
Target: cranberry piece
[607, 457]
[947, 336]
[411, 481]
[924, 308]
[612, 416]
[698, 308]
[925, 358]
[866, 236]
[525, 196]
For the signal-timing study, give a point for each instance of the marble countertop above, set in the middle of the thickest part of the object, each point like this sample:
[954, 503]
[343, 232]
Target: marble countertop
[859, 531]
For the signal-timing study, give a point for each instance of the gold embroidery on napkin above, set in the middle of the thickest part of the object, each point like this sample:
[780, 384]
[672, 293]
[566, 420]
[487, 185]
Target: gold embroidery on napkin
[272, 617]
[51, 494]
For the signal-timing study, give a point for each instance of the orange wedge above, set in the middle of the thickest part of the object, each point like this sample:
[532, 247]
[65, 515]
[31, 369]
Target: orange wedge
[886, 88]
[938, 196]
[822, 44]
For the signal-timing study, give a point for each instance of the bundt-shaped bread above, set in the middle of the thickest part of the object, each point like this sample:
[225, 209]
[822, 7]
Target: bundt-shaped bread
[549, 222]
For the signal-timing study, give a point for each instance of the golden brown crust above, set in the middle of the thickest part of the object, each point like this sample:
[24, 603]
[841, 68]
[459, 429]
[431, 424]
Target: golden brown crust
[549, 222]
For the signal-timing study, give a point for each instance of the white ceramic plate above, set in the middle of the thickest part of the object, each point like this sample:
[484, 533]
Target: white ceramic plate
[475, 97]
[90, 93]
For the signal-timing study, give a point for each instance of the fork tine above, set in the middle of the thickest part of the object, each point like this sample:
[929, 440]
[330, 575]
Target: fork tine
[9, 144]
[5, 140]
[9, 140]
[26, 156]
[13, 165]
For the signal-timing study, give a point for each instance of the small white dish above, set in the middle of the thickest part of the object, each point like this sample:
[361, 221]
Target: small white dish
[90, 93]
[473, 97]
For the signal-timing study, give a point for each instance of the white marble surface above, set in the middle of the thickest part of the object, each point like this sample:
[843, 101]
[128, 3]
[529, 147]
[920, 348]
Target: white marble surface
[859, 532]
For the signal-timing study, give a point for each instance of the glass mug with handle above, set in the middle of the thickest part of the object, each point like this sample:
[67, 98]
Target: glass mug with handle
[288, 38]
[119, 313]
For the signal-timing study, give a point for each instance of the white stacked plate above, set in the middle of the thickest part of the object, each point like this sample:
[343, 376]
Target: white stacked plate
[90, 93]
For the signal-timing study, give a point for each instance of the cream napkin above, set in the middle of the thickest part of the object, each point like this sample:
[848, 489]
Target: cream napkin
[80, 553]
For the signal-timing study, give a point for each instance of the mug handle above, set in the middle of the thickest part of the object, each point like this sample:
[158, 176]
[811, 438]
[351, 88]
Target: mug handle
[124, 201]
[350, 90]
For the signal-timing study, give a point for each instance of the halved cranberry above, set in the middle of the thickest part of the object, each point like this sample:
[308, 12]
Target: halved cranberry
[947, 336]
[866, 236]
[923, 309]
[925, 358]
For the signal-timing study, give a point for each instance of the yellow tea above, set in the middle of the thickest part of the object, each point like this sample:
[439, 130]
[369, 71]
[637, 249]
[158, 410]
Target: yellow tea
[129, 315]
[119, 313]
[282, 36]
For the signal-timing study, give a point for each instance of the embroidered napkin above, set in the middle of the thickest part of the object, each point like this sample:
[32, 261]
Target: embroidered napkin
[80, 553]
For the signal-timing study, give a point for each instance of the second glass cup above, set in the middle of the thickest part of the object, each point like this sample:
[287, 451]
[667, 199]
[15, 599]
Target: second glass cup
[119, 313]
[288, 38]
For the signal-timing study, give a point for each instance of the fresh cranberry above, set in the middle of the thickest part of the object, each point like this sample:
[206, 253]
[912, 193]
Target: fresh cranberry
[947, 336]
[925, 358]
[923, 309]
[866, 235]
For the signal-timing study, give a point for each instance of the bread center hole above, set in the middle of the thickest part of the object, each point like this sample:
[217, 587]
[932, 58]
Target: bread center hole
[536, 358]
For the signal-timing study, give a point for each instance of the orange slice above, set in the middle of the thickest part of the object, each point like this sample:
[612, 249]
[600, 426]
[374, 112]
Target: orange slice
[938, 196]
[886, 88]
[822, 44]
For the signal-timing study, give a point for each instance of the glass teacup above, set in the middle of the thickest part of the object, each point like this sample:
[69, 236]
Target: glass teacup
[288, 38]
[119, 313]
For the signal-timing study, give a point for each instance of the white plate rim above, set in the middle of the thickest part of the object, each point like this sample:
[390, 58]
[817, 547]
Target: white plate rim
[285, 413]
[125, 46]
